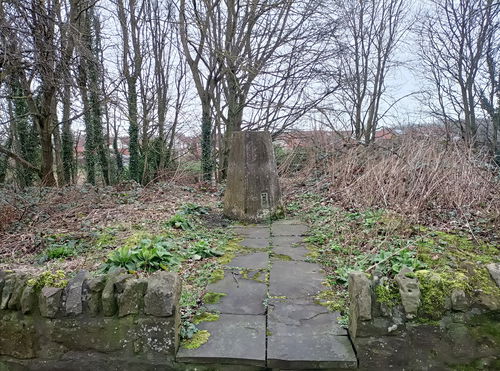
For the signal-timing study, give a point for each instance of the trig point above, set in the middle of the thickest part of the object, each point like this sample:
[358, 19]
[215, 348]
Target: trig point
[252, 192]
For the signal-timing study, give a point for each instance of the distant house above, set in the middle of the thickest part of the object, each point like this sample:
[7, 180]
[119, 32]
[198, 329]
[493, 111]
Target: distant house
[123, 148]
[322, 138]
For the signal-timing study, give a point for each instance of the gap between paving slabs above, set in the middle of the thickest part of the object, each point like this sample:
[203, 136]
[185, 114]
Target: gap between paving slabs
[268, 314]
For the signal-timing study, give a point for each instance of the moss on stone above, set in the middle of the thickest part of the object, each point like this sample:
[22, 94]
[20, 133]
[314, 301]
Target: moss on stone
[440, 249]
[233, 248]
[205, 317]
[198, 339]
[480, 279]
[486, 325]
[47, 278]
[313, 253]
[213, 297]
[252, 274]
[436, 289]
[335, 301]
[281, 257]
[216, 275]
[388, 293]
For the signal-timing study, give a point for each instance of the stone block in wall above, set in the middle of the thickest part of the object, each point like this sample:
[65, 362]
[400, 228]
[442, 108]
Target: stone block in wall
[3, 274]
[92, 291]
[8, 288]
[49, 301]
[28, 300]
[17, 292]
[156, 336]
[409, 290]
[131, 300]
[360, 294]
[73, 301]
[459, 301]
[494, 270]
[108, 297]
[17, 335]
[162, 294]
[102, 334]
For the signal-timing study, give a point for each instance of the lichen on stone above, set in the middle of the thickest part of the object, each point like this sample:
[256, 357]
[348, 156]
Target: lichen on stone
[213, 297]
[198, 339]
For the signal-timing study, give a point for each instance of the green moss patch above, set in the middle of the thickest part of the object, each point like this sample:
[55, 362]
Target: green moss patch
[233, 248]
[198, 339]
[57, 279]
[436, 289]
[216, 275]
[213, 297]
[335, 301]
[388, 293]
[281, 257]
[205, 317]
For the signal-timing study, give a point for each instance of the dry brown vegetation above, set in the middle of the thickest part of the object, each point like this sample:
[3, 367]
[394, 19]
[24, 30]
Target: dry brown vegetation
[29, 218]
[420, 177]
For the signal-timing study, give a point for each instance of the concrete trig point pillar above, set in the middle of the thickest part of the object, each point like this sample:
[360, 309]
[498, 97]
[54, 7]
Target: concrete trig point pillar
[252, 192]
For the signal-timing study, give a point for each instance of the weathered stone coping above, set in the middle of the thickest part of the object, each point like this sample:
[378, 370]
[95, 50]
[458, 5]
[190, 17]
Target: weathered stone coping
[109, 317]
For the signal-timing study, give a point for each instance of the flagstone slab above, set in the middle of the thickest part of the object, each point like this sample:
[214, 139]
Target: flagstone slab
[234, 339]
[294, 253]
[292, 331]
[259, 260]
[288, 221]
[243, 296]
[287, 241]
[288, 229]
[260, 231]
[295, 280]
[306, 336]
[255, 243]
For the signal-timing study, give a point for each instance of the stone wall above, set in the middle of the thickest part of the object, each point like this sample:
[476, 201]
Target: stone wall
[108, 322]
[392, 327]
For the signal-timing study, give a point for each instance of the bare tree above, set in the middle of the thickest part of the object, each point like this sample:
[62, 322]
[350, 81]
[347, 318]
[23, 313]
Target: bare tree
[370, 31]
[29, 33]
[454, 39]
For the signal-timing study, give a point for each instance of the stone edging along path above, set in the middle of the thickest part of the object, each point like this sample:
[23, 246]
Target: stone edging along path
[267, 315]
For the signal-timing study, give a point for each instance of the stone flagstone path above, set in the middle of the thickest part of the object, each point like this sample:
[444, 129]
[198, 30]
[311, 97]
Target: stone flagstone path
[268, 315]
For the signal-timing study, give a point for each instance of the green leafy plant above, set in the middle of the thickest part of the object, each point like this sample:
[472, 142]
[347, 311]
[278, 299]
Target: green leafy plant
[202, 249]
[149, 255]
[392, 260]
[180, 221]
[60, 252]
[194, 209]
[188, 329]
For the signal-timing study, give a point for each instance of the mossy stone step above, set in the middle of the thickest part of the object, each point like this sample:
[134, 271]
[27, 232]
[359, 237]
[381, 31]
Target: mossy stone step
[234, 339]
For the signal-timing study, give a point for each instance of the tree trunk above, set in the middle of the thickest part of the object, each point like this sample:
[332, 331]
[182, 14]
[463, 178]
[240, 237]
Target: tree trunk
[206, 140]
